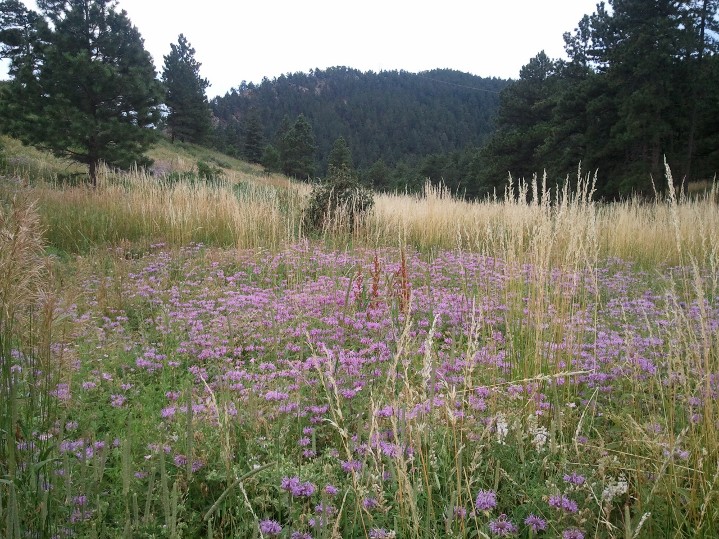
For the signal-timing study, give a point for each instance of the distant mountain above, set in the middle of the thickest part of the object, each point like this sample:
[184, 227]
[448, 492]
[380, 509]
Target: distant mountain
[395, 116]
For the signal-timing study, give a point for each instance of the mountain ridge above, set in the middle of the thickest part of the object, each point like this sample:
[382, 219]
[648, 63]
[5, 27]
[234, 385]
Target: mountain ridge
[394, 116]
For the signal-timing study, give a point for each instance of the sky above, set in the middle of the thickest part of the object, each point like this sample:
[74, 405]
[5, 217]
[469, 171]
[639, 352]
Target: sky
[247, 40]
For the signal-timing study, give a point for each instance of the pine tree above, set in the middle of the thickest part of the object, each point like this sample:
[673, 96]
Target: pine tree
[188, 110]
[640, 41]
[298, 149]
[523, 126]
[83, 86]
[340, 156]
[254, 140]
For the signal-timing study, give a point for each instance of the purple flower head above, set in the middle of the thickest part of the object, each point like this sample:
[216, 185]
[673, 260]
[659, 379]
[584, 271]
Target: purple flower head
[501, 527]
[300, 535]
[573, 533]
[380, 533]
[486, 500]
[535, 522]
[351, 465]
[562, 502]
[370, 503]
[298, 489]
[270, 527]
[117, 401]
[331, 490]
[574, 479]
[459, 511]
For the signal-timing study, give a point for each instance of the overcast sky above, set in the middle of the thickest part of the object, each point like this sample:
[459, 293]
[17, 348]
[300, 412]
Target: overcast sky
[238, 40]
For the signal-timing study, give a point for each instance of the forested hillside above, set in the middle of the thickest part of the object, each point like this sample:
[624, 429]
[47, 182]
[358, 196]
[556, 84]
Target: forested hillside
[640, 85]
[390, 117]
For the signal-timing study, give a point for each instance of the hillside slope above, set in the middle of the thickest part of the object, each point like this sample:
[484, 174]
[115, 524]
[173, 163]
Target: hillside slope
[391, 115]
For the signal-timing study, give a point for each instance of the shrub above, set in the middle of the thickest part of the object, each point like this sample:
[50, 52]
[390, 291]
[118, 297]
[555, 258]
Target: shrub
[339, 199]
[208, 172]
[205, 173]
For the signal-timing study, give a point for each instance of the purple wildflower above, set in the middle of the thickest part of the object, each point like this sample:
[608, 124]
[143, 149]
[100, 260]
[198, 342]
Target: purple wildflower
[270, 527]
[535, 522]
[331, 490]
[501, 527]
[351, 465]
[116, 401]
[380, 533]
[298, 489]
[574, 479]
[370, 503]
[459, 511]
[572, 533]
[562, 502]
[486, 500]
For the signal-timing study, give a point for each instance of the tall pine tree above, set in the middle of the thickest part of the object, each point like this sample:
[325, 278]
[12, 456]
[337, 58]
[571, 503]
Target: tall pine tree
[298, 149]
[254, 140]
[188, 116]
[83, 84]
[340, 156]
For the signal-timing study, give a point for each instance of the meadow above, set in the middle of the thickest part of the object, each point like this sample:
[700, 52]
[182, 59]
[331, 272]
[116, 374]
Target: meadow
[184, 359]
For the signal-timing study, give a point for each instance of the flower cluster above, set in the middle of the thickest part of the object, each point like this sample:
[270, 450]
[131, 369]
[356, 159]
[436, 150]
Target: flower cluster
[297, 488]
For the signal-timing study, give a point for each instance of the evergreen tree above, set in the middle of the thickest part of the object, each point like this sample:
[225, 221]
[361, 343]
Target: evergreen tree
[298, 149]
[636, 49]
[378, 176]
[254, 140]
[83, 86]
[523, 126]
[188, 110]
[271, 160]
[340, 156]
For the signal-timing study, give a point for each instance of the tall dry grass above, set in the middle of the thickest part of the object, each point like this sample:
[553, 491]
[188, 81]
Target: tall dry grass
[139, 208]
[529, 222]
[576, 226]
[28, 370]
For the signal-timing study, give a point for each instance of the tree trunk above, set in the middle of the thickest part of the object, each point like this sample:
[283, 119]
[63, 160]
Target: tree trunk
[695, 93]
[92, 170]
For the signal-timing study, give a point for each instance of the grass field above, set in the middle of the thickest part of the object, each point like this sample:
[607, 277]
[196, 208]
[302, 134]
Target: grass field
[183, 359]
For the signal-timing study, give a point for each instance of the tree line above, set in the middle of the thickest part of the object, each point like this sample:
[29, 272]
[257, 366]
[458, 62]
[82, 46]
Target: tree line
[639, 85]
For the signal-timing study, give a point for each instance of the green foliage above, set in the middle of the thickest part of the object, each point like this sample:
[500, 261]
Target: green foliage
[391, 115]
[298, 148]
[205, 172]
[271, 159]
[208, 172]
[83, 87]
[378, 176]
[340, 156]
[254, 140]
[635, 90]
[188, 111]
[340, 199]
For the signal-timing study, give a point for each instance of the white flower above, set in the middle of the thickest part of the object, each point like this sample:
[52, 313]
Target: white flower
[612, 490]
[541, 435]
[502, 428]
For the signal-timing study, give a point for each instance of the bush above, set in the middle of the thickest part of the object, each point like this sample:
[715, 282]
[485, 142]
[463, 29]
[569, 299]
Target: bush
[205, 173]
[208, 172]
[338, 200]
